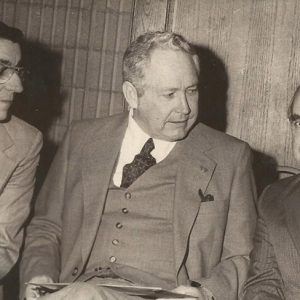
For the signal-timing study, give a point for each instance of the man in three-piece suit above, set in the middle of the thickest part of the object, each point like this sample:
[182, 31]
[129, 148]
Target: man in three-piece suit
[148, 198]
[20, 144]
[275, 260]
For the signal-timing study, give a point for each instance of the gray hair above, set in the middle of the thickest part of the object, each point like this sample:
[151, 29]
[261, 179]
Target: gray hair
[138, 53]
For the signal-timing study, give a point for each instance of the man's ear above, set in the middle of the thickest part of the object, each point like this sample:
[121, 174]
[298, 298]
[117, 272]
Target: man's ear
[130, 94]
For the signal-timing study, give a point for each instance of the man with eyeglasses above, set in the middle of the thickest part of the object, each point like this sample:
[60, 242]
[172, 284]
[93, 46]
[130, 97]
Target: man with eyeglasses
[20, 145]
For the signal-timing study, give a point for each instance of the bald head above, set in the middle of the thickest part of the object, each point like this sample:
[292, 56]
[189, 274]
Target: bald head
[294, 117]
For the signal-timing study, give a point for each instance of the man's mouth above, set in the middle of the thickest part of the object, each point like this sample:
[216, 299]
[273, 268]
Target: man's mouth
[6, 102]
[179, 121]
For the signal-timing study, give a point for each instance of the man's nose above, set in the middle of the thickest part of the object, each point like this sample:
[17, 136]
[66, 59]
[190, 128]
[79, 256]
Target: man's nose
[184, 105]
[14, 84]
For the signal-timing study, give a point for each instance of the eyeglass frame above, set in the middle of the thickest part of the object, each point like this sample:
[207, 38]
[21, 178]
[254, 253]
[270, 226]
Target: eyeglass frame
[15, 69]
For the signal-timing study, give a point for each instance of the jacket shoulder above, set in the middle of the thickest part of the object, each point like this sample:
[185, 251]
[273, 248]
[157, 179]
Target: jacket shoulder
[95, 126]
[22, 133]
[274, 191]
[218, 143]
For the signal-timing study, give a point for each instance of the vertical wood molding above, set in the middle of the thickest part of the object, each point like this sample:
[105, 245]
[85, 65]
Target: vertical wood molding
[149, 15]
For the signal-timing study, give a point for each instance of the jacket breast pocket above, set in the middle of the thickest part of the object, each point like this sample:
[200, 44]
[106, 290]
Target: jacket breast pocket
[217, 206]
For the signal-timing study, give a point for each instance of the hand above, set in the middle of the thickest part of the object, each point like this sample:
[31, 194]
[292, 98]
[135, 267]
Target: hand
[188, 290]
[78, 291]
[31, 292]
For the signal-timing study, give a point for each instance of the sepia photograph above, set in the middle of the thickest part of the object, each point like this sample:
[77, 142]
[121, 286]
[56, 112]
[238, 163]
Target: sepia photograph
[149, 149]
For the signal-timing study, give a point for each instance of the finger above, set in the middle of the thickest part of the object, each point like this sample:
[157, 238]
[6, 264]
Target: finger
[32, 294]
[187, 290]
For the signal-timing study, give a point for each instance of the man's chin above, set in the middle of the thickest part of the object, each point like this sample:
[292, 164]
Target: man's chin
[177, 136]
[4, 117]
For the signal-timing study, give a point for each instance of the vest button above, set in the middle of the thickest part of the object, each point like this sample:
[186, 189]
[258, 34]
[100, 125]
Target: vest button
[127, 195]
[124, 210]
[75, 271]
[112, 259]
[119, 225]
[115, 242]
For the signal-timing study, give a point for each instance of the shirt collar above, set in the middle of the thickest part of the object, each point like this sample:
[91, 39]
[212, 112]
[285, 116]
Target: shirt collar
[139, 137]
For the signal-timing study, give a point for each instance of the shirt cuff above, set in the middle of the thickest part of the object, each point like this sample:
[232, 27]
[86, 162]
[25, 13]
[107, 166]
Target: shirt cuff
[208, 293]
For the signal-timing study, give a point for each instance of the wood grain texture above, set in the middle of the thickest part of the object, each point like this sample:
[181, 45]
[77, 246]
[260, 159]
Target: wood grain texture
[250, 61]
[149, 15]
[257, 42]
[76, 48]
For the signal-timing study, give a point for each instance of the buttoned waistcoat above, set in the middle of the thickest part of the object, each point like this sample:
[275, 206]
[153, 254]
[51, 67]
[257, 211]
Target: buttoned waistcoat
[214, 215]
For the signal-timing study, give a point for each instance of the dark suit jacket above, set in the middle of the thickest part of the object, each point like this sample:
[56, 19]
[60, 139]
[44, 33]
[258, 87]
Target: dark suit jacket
[275, 260]
[20, 145]
[212, 238]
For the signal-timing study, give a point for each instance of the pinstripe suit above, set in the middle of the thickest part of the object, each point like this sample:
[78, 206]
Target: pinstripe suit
[275, 260]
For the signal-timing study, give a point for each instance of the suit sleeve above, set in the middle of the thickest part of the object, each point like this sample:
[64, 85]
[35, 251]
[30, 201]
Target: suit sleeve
[15, 203]
[265, 281]
[226, 279]
[41, 254]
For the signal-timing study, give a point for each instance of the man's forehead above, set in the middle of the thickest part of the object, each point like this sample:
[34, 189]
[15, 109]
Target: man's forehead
[10, 52]
[166, 66]
[296, 103]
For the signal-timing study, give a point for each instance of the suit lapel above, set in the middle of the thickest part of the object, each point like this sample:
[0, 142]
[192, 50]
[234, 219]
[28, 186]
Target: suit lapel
[100, 158]
[194, 173]
[291, 202]
[281, 210]
[7, 165]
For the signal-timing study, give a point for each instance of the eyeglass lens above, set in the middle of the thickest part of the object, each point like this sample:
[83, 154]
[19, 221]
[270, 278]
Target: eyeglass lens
[6, 73]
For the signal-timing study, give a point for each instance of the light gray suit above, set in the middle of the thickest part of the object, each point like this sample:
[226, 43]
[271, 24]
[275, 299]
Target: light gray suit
[20, 145]
[275, 260]
[214, 215]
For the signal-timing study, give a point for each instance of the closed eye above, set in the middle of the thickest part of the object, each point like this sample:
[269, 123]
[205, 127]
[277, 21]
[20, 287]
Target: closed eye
[296, 123]
[192, 90]
[169, 95]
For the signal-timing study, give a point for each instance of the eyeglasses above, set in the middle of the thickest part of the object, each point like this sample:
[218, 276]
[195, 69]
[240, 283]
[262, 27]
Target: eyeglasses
[7, 71]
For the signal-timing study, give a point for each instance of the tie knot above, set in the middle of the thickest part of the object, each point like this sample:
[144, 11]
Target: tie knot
[148, 147]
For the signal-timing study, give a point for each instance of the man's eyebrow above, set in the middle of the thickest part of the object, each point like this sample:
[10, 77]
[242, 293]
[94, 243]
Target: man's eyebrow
[5, 62]
[294, 117]
[193, 85]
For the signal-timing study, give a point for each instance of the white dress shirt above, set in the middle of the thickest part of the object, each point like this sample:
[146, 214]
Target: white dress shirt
[133, 142]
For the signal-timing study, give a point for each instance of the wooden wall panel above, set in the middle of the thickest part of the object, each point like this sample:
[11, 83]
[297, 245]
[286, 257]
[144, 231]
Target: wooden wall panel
[250, 49]
[86, 39]
[258, 43]
[250, 67]
[75, 50]
[149, 15]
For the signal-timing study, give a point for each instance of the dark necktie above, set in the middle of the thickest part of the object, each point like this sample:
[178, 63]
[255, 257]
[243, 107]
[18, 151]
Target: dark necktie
[141, 162]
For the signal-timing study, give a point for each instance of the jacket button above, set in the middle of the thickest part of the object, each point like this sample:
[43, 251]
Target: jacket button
[112, 259]
[119, 225]
[124, 210]
[127, 195]
[75, 271]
